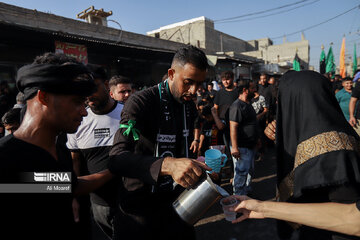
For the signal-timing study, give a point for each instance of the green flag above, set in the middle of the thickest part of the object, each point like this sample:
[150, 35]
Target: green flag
[354, 60]
[330, 64]
[296, 63]
[322, 61]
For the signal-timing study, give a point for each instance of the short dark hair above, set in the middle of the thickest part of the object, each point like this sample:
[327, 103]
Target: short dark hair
[54, 58]
[206, 110]
[12, 116]
[263, 74]
[346, 79]
[97, 71]
[244, 85]
[118, 79]
[192, 55]
[210, 83]
[227, 75]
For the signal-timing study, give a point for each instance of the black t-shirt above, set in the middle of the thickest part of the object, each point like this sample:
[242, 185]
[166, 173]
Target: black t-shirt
[266, 91]
[244, 114]
[34, 215]
[358, 205]
[210, 132]
[224, 99]
[212, 94]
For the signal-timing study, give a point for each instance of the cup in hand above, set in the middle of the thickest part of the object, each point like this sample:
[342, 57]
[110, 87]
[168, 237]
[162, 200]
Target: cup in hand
[215, 159]
[226, 204]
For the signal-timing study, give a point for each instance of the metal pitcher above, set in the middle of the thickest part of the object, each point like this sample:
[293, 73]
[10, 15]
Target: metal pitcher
[192, 204]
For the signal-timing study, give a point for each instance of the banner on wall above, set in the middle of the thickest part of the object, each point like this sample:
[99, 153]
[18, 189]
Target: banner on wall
[74, 50]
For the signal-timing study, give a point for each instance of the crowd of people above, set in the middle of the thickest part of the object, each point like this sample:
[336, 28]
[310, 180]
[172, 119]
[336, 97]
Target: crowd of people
[131, 154]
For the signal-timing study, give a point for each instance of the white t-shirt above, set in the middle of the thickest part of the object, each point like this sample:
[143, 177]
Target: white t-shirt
[96, 130]
[215, 86]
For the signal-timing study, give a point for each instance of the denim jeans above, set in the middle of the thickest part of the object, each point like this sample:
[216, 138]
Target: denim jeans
[243, 169]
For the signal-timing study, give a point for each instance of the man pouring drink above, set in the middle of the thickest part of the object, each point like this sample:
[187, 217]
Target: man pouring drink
[152, 150]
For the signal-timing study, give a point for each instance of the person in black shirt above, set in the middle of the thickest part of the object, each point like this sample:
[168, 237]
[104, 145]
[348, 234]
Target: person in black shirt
[264, 89]
[200, 94]
[155, 146]
[244, 136]
[120, 88]
[227, 95]
[55, 87]
[211, 91]
[209, 132]
[223, 99]
[269, 92]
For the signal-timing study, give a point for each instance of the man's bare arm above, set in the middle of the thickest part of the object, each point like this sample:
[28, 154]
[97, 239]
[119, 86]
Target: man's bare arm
[343, 218]
[352, 105]
[233, 136]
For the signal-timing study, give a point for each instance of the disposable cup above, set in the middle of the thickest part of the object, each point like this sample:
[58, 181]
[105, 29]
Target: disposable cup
[226, 204]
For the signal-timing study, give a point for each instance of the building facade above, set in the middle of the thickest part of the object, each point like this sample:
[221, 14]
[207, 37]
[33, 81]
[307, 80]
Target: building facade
[28, 33]
[273, 59]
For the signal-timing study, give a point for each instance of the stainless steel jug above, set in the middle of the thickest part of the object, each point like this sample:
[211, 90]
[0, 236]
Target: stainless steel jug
[194, 202]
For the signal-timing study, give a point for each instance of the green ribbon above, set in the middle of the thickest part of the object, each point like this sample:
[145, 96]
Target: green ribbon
[130, 128]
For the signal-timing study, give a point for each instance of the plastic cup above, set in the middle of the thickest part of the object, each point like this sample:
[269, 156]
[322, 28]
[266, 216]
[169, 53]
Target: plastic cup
[215, 159]
[226, 204]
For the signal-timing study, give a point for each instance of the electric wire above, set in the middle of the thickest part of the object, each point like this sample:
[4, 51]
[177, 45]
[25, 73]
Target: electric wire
[260, 12]
[316, 25]
[273, 14]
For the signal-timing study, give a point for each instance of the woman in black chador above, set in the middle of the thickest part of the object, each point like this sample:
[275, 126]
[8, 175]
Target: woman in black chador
[318, 151]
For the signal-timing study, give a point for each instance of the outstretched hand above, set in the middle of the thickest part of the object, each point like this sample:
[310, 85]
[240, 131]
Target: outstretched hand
[194, 146]
[250, 208]
[352, 121]
[270, 130]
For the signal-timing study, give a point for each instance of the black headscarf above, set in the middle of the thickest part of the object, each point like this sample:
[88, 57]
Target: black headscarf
[67, 78]
[316, 146]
